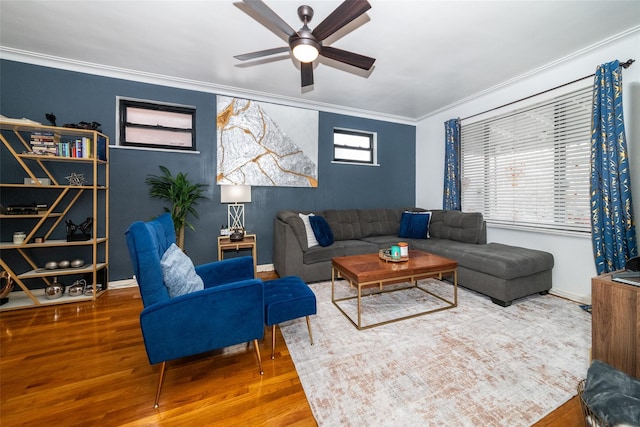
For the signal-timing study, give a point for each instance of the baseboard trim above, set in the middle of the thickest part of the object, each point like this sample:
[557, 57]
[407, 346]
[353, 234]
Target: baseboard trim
[583, 299]
[125, 283]
[265, 267]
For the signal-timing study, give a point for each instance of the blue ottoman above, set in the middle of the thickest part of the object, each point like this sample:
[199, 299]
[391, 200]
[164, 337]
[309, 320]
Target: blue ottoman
[286, 299]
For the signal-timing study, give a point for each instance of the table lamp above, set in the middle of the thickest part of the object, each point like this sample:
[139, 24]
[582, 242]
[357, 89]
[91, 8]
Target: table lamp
[236, 196]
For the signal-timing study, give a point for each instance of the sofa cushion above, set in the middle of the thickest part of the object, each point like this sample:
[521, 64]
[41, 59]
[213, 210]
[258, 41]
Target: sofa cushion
[379, 222]
[339, 248]
[358, 247]
[297, 226]
[323, 253]
[383, 242]
[344, 223]
[414, 225]
[321, 229]
[178, 272]
[459, 226]
[498, 260]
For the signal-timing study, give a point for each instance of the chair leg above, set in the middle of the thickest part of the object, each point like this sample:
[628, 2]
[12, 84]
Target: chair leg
[257, 348]
[309, 328]
[273, 342]
[160, 379]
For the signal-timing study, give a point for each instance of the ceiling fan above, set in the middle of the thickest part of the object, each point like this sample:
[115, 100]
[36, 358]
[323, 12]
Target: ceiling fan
[305, 45]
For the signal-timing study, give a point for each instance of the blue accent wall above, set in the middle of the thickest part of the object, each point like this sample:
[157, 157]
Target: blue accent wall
[31, 91]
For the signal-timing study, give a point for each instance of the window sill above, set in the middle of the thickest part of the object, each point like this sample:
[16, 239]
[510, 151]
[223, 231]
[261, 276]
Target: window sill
[354, 163]
[531, 229]
[167, 150]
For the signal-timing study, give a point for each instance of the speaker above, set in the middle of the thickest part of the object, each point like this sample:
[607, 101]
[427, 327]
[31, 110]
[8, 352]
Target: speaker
[633, 264]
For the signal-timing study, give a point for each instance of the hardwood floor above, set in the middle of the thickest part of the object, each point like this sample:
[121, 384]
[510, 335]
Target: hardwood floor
[85, 364]
[567, 415]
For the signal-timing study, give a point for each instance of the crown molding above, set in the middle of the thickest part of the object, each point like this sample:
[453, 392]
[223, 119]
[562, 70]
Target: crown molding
[601, 43]
[44, 60]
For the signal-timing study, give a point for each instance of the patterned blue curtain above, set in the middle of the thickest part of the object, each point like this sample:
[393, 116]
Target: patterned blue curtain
[451, 199]
[612, 227]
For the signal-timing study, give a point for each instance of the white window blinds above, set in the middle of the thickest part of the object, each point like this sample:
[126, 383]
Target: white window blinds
[530, 167]
[354, 146]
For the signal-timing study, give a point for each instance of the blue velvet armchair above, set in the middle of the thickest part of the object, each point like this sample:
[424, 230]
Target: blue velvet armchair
[228, 311]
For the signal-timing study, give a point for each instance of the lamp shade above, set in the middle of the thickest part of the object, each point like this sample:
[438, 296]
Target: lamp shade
[305, 48]
[305, 53]
[235, 194]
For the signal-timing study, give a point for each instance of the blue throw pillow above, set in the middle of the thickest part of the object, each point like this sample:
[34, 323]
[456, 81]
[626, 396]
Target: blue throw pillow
[415, 225]
[178, 272]
[322, 230]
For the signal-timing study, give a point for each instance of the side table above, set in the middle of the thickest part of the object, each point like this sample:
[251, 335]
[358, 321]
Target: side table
[249, 242]
[616, 324]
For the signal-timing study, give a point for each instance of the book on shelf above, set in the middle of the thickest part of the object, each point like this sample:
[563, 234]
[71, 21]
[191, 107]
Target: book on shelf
[44, 143]
[53, 136]
[38, 141]
[87, 148]
[627, 276]
[50, 143]
[44, 150]
[102, 148]
[80, 148]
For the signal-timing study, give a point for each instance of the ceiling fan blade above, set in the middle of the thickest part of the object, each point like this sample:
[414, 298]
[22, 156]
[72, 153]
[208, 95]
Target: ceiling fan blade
[261, 53]
[306, 72]
[265, 11]
[350, 58]
[341, 16]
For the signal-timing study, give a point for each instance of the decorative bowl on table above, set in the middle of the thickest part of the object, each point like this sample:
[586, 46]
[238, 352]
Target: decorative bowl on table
[237, 235]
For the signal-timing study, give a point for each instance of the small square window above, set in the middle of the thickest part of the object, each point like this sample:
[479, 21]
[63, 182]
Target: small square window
[154, 125]
[354, 146]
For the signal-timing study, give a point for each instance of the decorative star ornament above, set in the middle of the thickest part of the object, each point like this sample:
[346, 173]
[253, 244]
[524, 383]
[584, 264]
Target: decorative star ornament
[76, 179]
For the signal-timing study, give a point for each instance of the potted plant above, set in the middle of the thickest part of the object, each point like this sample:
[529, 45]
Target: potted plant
[181, 193]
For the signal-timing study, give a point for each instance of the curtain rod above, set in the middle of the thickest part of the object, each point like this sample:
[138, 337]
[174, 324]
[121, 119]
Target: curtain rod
[624, 65]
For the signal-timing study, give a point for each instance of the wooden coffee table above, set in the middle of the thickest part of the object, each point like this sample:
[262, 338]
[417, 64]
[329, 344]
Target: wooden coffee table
[369, 270]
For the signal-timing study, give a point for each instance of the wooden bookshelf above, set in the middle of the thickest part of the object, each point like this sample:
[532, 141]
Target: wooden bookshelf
[45, 226]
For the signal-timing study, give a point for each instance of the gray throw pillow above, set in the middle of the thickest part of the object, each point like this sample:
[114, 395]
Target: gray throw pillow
[178, 272]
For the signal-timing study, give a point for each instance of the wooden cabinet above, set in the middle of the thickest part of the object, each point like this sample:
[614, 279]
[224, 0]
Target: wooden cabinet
[616, 324]
[52, 180]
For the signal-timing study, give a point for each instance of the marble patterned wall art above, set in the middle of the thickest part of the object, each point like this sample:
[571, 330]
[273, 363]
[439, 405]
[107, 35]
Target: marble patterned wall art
[264, 144]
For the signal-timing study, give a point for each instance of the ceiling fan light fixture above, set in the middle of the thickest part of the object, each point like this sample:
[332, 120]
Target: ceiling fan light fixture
[305, 45]
[305, 50]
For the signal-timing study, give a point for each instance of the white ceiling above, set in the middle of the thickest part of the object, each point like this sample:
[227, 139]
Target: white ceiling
[429, 54]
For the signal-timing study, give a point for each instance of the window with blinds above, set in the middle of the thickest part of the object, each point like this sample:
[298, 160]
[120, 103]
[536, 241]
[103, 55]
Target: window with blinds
[530, 167]
[156, 125]
[354, 146]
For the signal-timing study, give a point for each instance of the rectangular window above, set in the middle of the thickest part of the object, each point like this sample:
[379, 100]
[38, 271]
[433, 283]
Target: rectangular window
[155, 125]
[530, 167]
[354, 146]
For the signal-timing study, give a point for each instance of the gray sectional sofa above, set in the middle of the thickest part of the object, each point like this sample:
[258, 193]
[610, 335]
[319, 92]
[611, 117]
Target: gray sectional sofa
[502, 272]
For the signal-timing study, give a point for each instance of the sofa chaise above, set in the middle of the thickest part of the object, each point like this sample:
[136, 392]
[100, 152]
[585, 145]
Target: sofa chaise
[502, 272]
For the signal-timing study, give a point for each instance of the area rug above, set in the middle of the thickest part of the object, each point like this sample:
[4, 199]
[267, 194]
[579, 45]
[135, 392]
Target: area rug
[475, 364]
